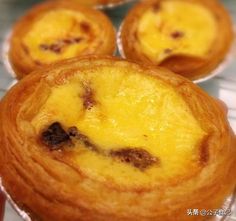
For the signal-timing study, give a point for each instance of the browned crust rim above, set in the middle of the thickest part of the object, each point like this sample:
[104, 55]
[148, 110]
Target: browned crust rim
[19, 58]
[32, 169]
[188, 66]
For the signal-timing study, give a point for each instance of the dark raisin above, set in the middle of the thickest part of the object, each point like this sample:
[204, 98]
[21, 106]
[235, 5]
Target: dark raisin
[55, 136]
[137, 157]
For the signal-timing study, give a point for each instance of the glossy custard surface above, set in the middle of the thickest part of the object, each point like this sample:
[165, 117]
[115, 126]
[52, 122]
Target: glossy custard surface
[60, 34]
[176, 27]
[124, 109]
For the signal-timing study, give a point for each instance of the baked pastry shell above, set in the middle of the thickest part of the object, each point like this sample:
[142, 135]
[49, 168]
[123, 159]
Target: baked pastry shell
[194, 68]
[213, 184]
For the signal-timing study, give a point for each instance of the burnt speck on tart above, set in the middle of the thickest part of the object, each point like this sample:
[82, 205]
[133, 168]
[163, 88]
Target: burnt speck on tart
[60, 44]
[156, 7]
[88, 97]
[74, 132]
[177, 34]
[85, 27]
[55, 47]
[137, 157]
[168, 50]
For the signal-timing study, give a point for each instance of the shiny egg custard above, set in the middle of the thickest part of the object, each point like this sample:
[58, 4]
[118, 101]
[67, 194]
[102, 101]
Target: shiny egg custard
[122, 127]
[190, 38]
[55, 31]
[96, 138]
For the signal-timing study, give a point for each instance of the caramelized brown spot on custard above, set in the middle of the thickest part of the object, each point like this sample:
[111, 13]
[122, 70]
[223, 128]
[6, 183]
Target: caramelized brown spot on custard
[156, 7]
[88, 97]
[136, 157]
[204, 151]
[77, 135]
[69, 41]
[54, 137]
[60, 44]
[168, 51]
[44, 47]
[177, 34]
[55, 48]
[85, 27]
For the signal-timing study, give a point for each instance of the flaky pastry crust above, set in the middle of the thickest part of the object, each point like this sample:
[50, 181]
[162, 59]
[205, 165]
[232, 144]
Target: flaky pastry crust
[89, 32]
[51, 187]
[187, 65]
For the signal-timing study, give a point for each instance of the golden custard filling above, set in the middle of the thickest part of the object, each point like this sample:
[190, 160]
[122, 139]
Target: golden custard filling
[176, 27]
[123, 118]
[61, 34]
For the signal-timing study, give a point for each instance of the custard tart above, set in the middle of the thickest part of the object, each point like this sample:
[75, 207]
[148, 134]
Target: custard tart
[189, 37]
[58, 30]
[93, 138]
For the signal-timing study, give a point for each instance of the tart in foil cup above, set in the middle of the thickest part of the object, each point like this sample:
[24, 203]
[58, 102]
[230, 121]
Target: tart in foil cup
[219, 70]
[6, 60]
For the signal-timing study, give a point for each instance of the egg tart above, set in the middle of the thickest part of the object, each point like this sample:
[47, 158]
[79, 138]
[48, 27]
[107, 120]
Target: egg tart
[189, 37]
[58, 30]
[94, 138]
